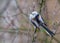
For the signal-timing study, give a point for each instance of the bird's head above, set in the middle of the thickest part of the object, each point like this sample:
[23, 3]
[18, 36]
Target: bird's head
[34, 14]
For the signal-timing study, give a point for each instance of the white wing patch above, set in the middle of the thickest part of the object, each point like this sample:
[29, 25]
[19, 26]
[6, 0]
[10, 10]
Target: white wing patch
[40, 18]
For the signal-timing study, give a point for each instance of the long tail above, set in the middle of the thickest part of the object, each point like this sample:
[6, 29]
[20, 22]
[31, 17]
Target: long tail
[47, 30]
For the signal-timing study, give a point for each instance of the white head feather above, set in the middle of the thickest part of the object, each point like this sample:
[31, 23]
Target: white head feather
[33, 15]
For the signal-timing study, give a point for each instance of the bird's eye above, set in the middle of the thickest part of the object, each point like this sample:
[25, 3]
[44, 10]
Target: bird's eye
[34, 14]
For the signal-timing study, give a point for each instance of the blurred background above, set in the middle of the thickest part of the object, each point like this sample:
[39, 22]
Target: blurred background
[15, 26]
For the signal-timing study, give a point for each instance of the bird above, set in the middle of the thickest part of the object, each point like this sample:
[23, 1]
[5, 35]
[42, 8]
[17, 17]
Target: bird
[37, 20]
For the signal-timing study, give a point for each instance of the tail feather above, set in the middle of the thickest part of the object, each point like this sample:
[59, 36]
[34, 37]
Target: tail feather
[47, 30]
